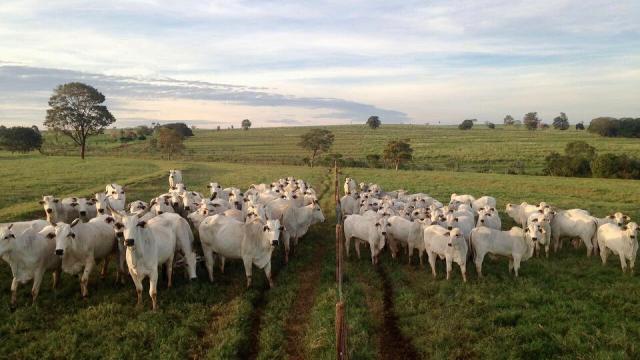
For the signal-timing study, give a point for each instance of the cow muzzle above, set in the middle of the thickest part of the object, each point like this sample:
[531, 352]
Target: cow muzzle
[83, 213]
[449, 228]
[274, 242]
[482, 221]
[188, 208]
[59, 252]
[160, 212]
[129, 242]
[534, 238]
[101, 211]
[49, 210]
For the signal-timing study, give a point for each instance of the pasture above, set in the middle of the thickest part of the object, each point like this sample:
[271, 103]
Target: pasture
[435, 147]
[567, 306]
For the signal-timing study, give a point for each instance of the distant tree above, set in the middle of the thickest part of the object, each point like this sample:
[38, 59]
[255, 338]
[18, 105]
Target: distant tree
[170, 141]
[35, 128]
[246, 124]
[604, 126]
[180, 128]
[580, 126]
[466, 125]
[76, 111]
[509, 121]
[531, 120]
[517, 123]
[580, 149]
[20, 139]
[231, 127]
[398, 152]
[218, 128]
[316, 141]
[543, 126]
[373, 122]
[143, 130]
[373, 160]
[490, 125]
[576, 161]
[561, 122]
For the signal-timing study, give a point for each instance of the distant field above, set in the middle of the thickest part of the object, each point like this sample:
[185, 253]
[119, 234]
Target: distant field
[567, 306]
[436, 147]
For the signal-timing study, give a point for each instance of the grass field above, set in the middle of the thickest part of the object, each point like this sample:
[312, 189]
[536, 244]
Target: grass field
[436, 147]
[566, 306]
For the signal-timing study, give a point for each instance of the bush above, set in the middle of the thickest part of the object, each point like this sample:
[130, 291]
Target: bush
[466, 125]
[142, 137]
[180, 128]
[576, 160]
[491, 125]
[580, 126]
[20, 139]
[616, 166]
[373, 160]
[531, 120]
[604, 126]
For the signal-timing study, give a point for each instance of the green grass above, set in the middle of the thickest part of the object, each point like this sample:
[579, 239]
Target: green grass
[436, 147]
[566, 306]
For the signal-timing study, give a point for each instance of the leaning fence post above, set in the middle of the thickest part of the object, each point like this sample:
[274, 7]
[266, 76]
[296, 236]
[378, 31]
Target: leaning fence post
[341, 329]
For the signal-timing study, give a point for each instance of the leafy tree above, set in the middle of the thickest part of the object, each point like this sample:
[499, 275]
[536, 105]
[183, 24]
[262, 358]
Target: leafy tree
[20, 139]
[374, 122]
[517, 123]
[616, 166]
[246, 124]
[218, 128]
[490, 125]
[398, 152]
[580, 149]
[316, 141]
[561, 122]
[76, 111]
[509, 121]
[576, 160]
[531, 120]
[180, 128]
[629, 127]
[170, 141]
[466, 125]
[143, 130]
[373, 160]
[580, 126]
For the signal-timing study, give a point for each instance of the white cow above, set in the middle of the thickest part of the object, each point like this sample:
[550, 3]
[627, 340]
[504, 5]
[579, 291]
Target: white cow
[86, 208]
[20, 226]
[482, 202]
[574, 223]
[116, 195]
[622, 241]
[148, 245]
[175, 177]
[463, 222]
[465, 199]
[349, 204]
[350, 186]
[29, 253]
[408, 233]
[57, 210]
[161, 205]
[184, 238]
[253, 242]
[489, 217]
[367, 229]
[516, 244]
[80, 245]
[446, 244]
[296, 222]
[543, 218]
[520, 213]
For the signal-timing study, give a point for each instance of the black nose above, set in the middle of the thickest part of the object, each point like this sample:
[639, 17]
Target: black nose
[160, 212]
[59, 252]
[120, 235]
[384, 233]
[129, 242]
[187, 208]
[274, 242]
[534, 238]
[83, 213]
[482, 220]
[449, 244]
[450, 228]
[49, 211]
[101, 211]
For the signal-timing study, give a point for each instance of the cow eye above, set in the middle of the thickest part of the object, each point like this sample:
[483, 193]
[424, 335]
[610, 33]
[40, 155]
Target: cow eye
[113, 192]
[266, 228]
[72, 235]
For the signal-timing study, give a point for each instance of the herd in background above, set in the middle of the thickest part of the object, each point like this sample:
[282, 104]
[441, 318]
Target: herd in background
[175, 229]
[469, 229]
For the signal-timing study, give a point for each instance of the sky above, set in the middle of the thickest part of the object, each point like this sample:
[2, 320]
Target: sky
[284, 63]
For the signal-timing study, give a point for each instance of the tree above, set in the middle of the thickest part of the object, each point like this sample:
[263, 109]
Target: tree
[218, 128]
[490, 125]
[246, 124]
[76, 111]
[561, 122]
[373, 160]
[576, 161]
[20, 139]
[398, 152]
[466, 125]
[181, 128]
[170, 141]
[317, 141]
[580, 126]
[374, 122]
[509, 121]
[580, 149]
[531, 120]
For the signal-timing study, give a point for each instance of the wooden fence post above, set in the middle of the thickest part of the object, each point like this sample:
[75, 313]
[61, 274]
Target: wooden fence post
[341, 328]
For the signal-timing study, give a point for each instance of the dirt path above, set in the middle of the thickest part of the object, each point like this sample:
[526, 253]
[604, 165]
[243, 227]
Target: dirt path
[393, 345]
[256, 320]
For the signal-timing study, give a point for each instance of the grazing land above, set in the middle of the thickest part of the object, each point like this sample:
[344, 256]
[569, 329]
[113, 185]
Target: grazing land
[566, 306]
[435, 147]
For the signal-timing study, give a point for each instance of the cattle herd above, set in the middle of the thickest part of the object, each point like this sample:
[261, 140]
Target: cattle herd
[175, 229]
[467, 228]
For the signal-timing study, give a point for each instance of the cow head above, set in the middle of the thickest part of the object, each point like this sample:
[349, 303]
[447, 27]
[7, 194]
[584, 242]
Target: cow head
[456, 239]
[534, 231]
[132, 229]
[50, 204]
[115, 191]
[484, 217]
[631, 230]
[272, 229]
[316, 216]
[6, 239]
[64, 234]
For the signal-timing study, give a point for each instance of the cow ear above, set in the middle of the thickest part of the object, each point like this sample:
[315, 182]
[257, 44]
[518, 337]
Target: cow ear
[534, 220]
[75, 222]
[109, 220]
[541, 211]
[448, 233]
[377, 224]
[611, 217]
[41, 202]
[626, 217]
[51, 235]
[625, 227]
[265, 228]
[142, 224]
[74, 199]
[455, 219]
[74, 204]
[209, 186]
[56, 200]
[526, 230]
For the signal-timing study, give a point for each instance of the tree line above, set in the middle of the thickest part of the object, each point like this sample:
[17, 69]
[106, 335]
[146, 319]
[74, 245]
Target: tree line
[582, 160]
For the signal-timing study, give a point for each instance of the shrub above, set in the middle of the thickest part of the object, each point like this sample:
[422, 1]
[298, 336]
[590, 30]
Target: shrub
[466, 125]
[20, 139]
[610, 165]
[604, 126]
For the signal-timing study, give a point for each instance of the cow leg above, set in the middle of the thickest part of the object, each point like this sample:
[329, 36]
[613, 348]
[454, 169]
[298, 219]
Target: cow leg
[623, 262]
[190, 259]
[169, 266]
[248, 263]
[604, 253]
[347, 242]
[546, 250]
[510, 266]
[432, 262]
[516, 264]
[14, 292]
[37, 280]
[420, 254]
[122, 265]
[153, 284]
[463, 270]
[222, 260]
[587, 243]
[208, 260]
[105, 266]
[358, 248]
[478, 262]
[410, 252]
[449, 266]
[84, 280]
[556, 242]
[56, 278]
[267, 271]
[138, 284]
[286, 240]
